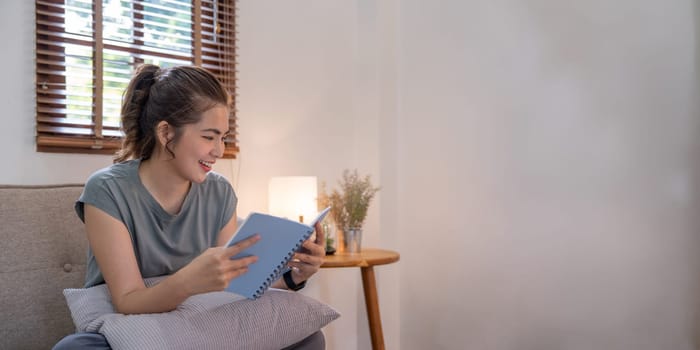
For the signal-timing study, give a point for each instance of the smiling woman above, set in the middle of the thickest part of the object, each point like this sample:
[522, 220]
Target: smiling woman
[161, 211]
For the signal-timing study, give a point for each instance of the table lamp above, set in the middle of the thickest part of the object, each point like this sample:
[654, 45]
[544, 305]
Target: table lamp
[293, 197]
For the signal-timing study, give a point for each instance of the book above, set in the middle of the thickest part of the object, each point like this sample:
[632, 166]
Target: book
[280, 239]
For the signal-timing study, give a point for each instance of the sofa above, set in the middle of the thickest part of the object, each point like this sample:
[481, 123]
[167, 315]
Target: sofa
[42, 270]
[43, 247]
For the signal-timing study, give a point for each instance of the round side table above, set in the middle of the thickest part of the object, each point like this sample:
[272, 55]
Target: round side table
[366, 259]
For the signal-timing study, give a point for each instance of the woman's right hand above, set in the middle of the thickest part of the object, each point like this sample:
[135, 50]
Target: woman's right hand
[214, 269]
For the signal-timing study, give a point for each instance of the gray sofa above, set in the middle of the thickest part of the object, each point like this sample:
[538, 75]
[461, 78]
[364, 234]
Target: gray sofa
[43, 247]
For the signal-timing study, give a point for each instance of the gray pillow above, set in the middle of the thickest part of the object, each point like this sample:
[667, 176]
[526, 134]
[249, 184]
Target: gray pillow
[218, 320]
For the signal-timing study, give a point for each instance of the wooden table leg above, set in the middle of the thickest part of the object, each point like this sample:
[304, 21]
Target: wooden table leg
[369, 286]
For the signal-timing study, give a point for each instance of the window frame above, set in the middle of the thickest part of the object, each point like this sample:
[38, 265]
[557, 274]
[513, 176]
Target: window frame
[213, 47]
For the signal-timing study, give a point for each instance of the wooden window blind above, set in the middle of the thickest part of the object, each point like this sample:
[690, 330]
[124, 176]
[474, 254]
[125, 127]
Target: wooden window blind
[86, 51]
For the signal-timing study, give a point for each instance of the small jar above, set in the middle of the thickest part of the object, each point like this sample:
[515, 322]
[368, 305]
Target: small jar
[331, 240]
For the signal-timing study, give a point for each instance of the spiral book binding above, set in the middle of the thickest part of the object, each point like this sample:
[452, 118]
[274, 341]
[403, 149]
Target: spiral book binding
[280, 239]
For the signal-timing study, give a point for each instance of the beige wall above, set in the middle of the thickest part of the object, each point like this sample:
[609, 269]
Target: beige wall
[552, 197]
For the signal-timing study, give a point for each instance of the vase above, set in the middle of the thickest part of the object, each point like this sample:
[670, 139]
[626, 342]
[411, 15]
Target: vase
[352, 239]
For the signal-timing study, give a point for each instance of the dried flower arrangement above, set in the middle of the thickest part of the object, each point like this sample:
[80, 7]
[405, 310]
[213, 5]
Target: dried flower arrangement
[349, 204]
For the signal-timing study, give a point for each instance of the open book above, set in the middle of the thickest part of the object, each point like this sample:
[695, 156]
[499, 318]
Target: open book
[280, 238]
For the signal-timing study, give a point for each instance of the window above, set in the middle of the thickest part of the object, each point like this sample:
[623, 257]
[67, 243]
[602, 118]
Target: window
[86, 51]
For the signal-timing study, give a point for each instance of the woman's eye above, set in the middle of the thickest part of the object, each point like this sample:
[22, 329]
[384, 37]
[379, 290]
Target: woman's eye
[208, 138]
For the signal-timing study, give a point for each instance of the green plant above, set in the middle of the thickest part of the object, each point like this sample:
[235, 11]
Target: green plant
[349, 204]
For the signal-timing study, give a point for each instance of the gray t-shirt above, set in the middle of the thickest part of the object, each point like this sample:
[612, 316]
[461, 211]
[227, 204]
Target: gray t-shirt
[163, 243]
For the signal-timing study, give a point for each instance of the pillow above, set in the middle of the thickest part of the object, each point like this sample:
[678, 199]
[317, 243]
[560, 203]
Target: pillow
[217, 320]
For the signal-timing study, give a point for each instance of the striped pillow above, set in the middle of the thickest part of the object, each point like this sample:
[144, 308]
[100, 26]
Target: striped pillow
[218, 320]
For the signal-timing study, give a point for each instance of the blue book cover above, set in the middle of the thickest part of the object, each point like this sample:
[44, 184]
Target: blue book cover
[280, 238]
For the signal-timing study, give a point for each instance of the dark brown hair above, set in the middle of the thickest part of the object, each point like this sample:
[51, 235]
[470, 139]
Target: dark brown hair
[178, 95]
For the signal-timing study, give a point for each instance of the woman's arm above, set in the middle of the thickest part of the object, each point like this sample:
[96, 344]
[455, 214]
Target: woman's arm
[113, 250]
[227, 232]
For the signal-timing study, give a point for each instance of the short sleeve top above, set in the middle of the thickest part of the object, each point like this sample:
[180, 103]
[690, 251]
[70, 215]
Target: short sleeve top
[163, 243]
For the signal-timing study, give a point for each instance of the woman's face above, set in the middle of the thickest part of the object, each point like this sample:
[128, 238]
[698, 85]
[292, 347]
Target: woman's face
[201, 144]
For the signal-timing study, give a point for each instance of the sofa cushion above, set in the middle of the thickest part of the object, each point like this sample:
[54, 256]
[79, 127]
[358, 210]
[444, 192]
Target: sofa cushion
[218, 320]
[43, 247]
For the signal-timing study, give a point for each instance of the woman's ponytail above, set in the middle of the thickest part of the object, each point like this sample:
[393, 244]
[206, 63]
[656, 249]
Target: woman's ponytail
[138, 130]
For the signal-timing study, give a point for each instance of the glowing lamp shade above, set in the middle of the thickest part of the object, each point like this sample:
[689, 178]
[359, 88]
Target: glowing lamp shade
[293, 197]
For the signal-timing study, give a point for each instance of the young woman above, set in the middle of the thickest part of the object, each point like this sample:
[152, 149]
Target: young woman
[159, 210]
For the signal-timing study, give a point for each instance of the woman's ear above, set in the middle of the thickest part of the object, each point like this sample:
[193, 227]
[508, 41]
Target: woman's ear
[164, 132]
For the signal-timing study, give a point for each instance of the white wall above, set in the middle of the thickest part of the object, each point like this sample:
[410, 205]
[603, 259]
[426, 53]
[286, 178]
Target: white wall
[308, 107]
[548, 174]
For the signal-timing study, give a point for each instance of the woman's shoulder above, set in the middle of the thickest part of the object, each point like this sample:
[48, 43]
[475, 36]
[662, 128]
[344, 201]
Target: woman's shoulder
[115, 172]
[217, 185]
[216, 180]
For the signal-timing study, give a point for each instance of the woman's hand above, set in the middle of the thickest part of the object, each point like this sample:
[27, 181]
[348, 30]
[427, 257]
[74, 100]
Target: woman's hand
[214, 269]
[308, 260]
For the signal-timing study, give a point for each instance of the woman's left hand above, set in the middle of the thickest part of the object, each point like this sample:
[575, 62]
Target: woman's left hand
[309, 258]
